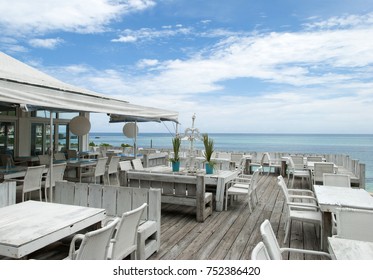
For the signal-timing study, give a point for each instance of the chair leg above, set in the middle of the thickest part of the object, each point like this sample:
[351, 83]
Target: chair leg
[288, 227]
[117, 179]
[45, 194]
[249, 202]
[321, 236]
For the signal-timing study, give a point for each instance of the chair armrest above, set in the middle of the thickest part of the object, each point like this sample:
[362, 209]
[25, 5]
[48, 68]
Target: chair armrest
[72, 251]
[303, 206]
[303, 192]
[303, 251]
[304, 197]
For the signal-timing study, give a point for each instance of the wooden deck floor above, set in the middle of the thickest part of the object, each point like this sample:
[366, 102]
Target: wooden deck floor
[232, 234]
[227, 235]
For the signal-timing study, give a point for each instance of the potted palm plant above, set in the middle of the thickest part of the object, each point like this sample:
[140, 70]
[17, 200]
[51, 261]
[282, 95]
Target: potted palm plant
[176, 142]
[209, 150]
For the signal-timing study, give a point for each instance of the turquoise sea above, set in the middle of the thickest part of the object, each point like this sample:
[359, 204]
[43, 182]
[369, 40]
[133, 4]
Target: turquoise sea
[357, 146]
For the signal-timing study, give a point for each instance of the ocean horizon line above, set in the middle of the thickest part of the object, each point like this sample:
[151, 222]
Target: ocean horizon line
[246, 133]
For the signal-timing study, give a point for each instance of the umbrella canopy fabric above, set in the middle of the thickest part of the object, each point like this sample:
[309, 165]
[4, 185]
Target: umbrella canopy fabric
[22, 85]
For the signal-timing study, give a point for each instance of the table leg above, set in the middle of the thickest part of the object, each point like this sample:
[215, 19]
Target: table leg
[283, 168]
[220, 190]
[327, 228]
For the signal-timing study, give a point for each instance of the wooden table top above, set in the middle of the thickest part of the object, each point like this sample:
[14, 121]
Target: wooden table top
[28, 226]
[330, 198]
[348, 249]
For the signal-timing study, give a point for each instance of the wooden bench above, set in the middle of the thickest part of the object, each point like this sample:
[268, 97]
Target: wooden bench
[117, 200]
[176, 189]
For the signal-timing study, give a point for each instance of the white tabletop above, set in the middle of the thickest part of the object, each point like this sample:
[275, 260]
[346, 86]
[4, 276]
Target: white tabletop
[348, 249]
[31, 225]
[330, 198]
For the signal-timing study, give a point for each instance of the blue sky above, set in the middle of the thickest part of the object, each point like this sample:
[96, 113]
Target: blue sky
[285, 66]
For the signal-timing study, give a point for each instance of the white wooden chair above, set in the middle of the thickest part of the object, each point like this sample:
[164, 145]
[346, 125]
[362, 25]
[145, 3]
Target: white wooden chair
[273, 248]
[94, 244]
[297, 173]
[124, 242]
[31, 181]
[337, 180]
[319, 169]
[270, 162]
[260, 252]
[96, 171]
[298, 211]
[243, 186]
[314, 159]
[44, 160]
[300, 195]
[298, 161]
[58, 171]
[125, 165]
[59, 156]
[355, 224]
[137, 164]
[112, 168]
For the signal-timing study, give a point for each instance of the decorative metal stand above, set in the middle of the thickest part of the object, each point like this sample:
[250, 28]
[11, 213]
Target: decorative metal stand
[192, 134]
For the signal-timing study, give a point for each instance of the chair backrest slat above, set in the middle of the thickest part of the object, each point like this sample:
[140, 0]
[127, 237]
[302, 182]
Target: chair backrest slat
[336, 180]
[355, 224]
[260, 252]
[270, 241]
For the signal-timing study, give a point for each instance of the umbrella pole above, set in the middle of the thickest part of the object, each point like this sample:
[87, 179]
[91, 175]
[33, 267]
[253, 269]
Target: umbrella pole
[51, 157]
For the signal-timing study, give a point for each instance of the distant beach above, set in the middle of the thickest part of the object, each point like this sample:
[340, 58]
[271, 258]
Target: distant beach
[357, 146]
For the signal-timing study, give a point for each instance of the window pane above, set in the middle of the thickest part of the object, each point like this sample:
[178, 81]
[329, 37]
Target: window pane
[37, 139]
[67, 116]
[7, 111]
[43, 114]
[7, 138]
[62, 138]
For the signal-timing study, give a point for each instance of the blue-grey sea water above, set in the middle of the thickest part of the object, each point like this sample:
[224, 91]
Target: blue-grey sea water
[357, 146]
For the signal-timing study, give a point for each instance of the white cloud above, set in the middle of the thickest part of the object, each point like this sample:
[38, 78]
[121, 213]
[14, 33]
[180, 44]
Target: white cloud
[146, 34]
[125, 39]
[345, 21]
[24, 17]
[50, 43]
[147, 63]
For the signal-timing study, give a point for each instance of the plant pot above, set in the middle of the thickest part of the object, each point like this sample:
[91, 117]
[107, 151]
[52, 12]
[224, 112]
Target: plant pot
[176, 166]
[209, 168]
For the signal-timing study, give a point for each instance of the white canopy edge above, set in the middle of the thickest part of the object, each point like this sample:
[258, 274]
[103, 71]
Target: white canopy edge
[22, 84]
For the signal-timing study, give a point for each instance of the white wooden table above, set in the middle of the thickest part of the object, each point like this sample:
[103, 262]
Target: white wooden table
[29, 226]
[330, 198]
[348, 249]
